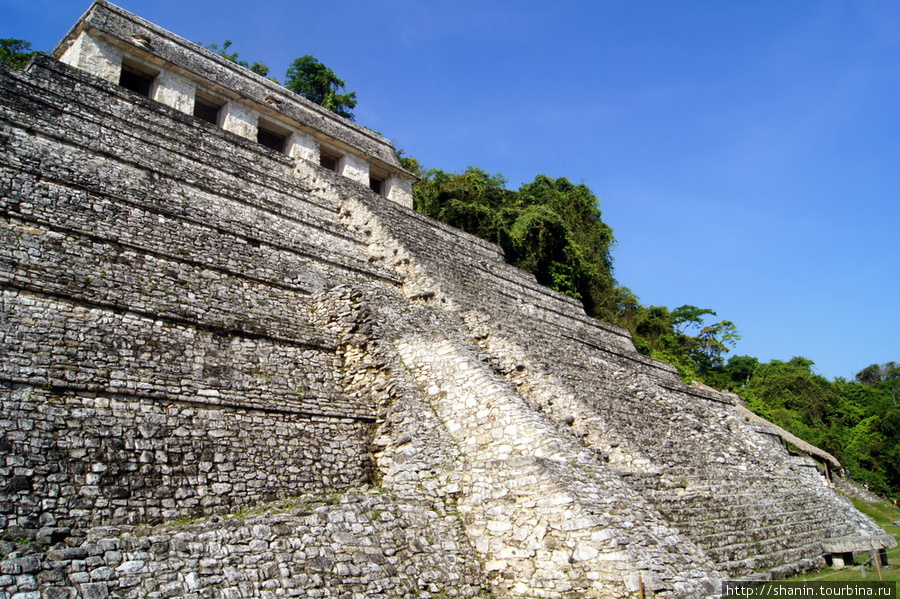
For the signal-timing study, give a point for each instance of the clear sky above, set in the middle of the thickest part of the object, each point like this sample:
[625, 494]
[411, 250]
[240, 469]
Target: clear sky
[746, 153]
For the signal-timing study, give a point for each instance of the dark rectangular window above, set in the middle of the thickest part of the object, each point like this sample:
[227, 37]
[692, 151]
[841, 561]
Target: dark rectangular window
[270, 139]
[206, 111]
[376, 185]
[328, 161]
[272, 135]
[135, 80]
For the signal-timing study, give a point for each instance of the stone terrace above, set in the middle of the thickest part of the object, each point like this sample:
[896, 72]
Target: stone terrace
[231, 372]
[727, 483]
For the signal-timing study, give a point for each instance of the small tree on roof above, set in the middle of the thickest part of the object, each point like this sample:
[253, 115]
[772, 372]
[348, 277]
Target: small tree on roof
[317, 83]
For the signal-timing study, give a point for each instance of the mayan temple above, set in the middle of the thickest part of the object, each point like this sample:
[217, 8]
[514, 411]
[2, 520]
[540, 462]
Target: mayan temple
[236, 363]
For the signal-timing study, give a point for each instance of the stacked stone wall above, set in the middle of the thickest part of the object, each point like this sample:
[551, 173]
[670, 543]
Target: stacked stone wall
[75, 459]
[159, 356]
[193, 323]
[351, 545]
[176, 167]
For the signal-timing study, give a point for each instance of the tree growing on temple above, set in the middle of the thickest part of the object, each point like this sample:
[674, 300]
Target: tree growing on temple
[256, 67]
[317, 83]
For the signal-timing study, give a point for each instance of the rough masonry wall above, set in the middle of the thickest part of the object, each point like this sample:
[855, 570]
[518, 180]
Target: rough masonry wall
[156, 283]
[171, 354]
[686, 450]
[357, 545]
[98, 459]
[194, 324]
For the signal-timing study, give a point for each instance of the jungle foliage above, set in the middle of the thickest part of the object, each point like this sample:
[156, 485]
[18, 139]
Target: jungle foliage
[554, 229]
[15, 52]
[549, 227]
[306, 77]
[857, 421]
[314, 81]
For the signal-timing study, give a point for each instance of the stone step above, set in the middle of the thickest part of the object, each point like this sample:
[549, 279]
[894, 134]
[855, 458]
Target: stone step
[737, 524]
[253, 225]
[422, 231]
[768, 546]
[103, 274]
[680, 497]
[760, 533]
[796, 559]
[505, 484]
[514, 293]
[156, 225]
[718, 510]
[764, 480]
[132, 162]
[103, 350]
[113, 122]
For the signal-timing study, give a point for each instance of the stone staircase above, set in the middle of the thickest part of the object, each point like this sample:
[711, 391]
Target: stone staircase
[744, 502]
[756, 524]
[548, 515]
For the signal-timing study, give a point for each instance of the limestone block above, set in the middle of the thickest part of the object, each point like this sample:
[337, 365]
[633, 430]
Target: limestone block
[175, 91]
[301, 145]
[239, 119]
[354, 168]
[399, 190]
[94, 56]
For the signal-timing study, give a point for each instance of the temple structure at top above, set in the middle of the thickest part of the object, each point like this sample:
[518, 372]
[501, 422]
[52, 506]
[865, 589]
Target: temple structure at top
[124, 49]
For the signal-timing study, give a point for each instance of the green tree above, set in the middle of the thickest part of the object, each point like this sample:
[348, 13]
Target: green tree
[409, 163]
[473, 201]
[713, 342]
[739, 369]
[687, 317]
[651, 325]
[549, 227]
[577, 257]
[689, 340]
[541, 244]
[885, 375]
[627, 308]
[856, 421]
[256, 67]
[793, 387]
[15, 52]
[314, 81]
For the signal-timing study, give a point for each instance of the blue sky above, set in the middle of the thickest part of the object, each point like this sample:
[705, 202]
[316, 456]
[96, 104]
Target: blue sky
[746, 154]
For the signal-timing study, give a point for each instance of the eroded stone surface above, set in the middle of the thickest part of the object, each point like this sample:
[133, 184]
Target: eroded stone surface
[233, 373]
